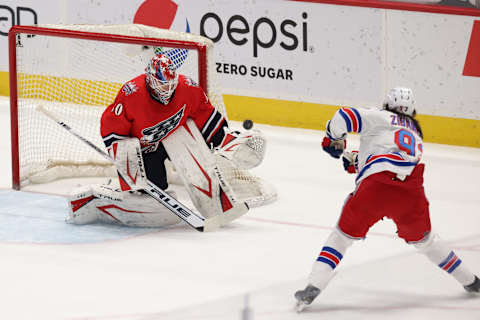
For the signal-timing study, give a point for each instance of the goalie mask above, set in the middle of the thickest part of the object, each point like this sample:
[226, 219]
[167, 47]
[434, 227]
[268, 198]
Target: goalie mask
[400, 100]
[161, 78]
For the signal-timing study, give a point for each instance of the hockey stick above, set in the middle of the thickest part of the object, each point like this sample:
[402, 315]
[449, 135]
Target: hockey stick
[199, 223]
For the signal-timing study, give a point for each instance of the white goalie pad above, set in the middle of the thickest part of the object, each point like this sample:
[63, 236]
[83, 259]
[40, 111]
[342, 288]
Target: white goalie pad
[245, 149]
[127, 155]
[205, 182]
[104, 203]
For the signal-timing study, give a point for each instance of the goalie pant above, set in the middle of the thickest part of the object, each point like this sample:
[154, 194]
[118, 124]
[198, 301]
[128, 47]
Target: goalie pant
[102, 203]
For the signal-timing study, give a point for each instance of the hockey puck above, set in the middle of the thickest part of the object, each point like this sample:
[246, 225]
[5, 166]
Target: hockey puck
[248, 124]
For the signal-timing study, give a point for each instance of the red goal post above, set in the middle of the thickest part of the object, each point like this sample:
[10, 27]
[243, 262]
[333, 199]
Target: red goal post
[75, 71]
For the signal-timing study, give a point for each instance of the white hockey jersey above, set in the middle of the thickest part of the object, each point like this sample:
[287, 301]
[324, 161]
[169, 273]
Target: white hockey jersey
[388, 142]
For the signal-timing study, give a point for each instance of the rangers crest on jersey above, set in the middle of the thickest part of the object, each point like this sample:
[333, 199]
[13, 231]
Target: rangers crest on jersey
[129, 88]
[153, 135]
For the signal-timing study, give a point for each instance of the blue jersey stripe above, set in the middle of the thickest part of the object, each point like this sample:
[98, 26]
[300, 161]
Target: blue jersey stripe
[359, 119]
[111, 138]
[347, 120]
[397, 163]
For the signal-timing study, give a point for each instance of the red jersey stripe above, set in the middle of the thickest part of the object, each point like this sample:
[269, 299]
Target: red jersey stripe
[353, 118]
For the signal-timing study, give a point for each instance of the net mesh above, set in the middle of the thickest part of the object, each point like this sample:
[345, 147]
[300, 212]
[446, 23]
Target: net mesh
[76, 79]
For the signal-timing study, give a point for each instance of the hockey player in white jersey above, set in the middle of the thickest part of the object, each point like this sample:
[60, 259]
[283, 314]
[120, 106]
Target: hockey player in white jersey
[389, 183]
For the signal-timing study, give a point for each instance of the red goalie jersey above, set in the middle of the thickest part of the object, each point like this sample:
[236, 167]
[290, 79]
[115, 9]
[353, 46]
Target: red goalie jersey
[136, 113]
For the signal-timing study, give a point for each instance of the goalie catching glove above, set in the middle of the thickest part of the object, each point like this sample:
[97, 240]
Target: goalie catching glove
[245, 149]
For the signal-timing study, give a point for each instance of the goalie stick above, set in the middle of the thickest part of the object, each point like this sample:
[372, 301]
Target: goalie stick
[199, 223]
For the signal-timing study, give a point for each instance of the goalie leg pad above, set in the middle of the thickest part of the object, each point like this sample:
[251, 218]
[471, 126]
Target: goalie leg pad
[127, 155]
[204, 180]
[82, 207]
[103, 203]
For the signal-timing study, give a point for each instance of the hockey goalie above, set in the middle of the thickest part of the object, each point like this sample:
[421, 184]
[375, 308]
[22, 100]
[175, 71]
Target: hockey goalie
[162, 115]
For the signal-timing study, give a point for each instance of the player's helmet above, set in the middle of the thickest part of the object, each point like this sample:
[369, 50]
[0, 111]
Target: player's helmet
[401, 100]
[161, 77]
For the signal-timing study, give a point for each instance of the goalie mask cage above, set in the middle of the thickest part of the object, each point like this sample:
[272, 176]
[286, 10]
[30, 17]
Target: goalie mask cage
[75, 72]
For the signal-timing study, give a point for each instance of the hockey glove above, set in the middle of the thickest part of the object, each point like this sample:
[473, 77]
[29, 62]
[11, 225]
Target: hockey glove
[334, 147]
[350, 161]
[245, 149]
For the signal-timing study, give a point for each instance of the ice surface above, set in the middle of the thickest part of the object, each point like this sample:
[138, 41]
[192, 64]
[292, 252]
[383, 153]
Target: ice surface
[179, 273]
[28, 217]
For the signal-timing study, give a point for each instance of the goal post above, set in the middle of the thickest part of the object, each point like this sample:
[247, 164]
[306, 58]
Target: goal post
[75, 72]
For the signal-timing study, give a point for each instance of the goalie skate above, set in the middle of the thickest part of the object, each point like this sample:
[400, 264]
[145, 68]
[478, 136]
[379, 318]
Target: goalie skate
[305, 297]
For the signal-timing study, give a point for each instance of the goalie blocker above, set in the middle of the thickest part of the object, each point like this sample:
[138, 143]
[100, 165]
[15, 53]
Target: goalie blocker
[198, 168]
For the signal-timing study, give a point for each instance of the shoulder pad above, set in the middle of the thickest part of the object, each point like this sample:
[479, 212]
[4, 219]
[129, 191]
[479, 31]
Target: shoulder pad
[190, 82]
[129, 88]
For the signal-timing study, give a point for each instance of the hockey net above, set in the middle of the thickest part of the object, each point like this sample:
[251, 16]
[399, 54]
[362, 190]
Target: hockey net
[75, 72]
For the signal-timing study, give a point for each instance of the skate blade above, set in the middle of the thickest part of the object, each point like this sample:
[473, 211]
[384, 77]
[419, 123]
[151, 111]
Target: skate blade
[300, 306]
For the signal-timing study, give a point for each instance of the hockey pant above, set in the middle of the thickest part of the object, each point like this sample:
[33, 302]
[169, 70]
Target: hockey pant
[382, 195]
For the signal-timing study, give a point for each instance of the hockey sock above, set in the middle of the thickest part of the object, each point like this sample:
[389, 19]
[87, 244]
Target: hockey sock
[328, 259]
[446, 259]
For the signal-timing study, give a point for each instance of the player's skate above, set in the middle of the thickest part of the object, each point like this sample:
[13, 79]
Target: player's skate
[474, 287]
[305, 297]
